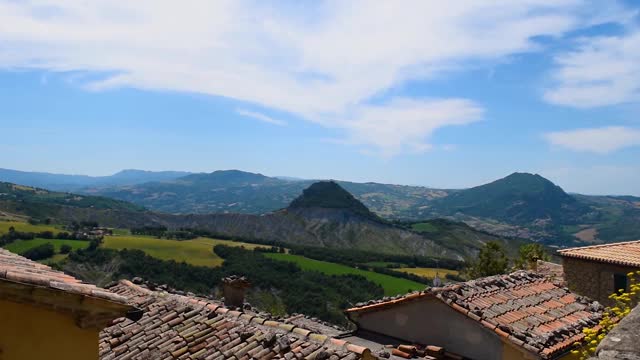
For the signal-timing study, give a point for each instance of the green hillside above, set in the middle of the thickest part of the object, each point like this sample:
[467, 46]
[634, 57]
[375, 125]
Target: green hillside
[391, 285]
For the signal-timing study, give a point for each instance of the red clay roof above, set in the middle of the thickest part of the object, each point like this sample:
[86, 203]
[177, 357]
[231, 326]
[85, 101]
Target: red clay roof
[183, 327]
[17, 269]
[623, 253]
[526, 309]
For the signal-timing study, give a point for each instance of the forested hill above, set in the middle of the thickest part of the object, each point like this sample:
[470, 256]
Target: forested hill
[519, 198]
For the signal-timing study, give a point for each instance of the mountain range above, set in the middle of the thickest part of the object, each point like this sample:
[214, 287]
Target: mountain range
[323, 215]
[520, 205]
[70, 183]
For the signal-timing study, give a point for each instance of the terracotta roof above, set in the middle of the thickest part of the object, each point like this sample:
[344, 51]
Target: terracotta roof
[525, 309]
[17, 269]
[183, 327]
[622, 253]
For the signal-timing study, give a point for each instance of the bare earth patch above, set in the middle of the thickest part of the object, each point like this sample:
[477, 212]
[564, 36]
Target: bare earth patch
[587, 235]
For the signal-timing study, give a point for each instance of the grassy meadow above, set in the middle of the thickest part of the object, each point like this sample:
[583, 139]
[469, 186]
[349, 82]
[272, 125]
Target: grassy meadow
[390, 284]
[198, 251]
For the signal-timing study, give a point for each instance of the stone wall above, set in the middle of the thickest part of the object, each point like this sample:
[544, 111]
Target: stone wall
[592, 279]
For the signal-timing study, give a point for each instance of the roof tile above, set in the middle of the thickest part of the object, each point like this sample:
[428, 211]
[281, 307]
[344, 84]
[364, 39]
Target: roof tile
[16, 268]
[622, 253]
[515, 306]
[200, 330]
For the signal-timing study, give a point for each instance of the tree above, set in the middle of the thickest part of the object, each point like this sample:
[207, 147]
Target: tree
[529, 254]
[40, 252]
[65, 249]
[492, 260]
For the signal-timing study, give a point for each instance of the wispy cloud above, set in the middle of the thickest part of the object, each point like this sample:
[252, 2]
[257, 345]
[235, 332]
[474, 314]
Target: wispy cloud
[601, 71]
[597, 140]
[323, 62]
[260, 117]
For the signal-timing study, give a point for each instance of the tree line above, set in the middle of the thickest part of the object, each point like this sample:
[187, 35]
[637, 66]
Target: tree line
[309, 292]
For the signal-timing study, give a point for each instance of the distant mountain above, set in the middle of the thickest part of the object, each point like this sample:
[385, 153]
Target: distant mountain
[60, 182]
[519, 198]
[530, 206]
[325, 215]
[24, 202]
[520, 205]
[234, 191]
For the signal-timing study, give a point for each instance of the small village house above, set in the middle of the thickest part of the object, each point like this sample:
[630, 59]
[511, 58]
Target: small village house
[45, 314]
[522, 315]
[600, 270]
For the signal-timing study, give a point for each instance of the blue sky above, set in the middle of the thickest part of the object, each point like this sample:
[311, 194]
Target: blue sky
[448, 96]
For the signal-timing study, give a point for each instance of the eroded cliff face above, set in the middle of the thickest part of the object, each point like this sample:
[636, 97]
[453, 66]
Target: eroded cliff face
[333, 228]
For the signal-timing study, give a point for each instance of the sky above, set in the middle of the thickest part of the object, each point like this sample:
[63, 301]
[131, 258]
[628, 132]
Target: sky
[442, 94]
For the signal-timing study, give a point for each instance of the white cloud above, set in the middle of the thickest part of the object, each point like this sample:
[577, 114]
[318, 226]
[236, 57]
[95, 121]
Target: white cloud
[260, 117]
[323, 61]
[404, 125]
[602, 71]
[597, 140]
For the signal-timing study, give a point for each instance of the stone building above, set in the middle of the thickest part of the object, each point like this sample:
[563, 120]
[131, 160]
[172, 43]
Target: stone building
[46, 314]
[522, 315]
[600, 270]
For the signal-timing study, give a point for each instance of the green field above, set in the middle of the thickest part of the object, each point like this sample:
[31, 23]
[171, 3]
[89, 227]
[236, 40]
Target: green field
[195, 252]
[25, 227]
[424, 227]
[384, 264]
[390, 284]
[428, 272]
[20, 246]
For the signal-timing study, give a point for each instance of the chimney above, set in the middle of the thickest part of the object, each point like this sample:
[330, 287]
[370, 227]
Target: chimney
[234, 288]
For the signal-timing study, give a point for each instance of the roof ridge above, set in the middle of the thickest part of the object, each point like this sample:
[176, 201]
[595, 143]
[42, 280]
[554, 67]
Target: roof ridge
[597, 246]
[221, 309]
[473, 298]
[19, 269]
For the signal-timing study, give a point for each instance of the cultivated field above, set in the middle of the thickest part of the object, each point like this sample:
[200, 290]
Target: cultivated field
[25, 227]
[428, 272]
[390, 284]
[20, 246]
[198, 251]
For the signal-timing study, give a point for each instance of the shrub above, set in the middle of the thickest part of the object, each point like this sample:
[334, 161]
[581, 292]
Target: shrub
[40, 252]
[65, 249]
